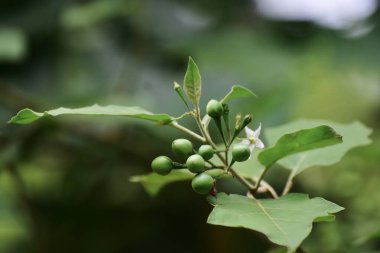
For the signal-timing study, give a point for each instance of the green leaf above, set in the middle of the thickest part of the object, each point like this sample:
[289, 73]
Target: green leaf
[354, 135]
[153, 182]
[299, 141]
[192, 82]
[286, 221]
[27, 116]
[237, 91]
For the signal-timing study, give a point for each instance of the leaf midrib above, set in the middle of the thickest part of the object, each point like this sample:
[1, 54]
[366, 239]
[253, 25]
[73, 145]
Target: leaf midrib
[272, 220]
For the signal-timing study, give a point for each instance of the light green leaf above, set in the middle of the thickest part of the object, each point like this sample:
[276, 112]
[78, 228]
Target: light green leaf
[237, 91]
[299, 141]
[192, 82]
[153, 182]
[354, 135]
[286, 221]
[27, 116]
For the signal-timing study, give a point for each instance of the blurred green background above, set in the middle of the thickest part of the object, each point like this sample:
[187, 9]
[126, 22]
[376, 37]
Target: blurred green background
[64, 182]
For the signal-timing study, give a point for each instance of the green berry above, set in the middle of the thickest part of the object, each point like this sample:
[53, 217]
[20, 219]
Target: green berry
[202, 183]
[214, 109]
[195, 163]
[162, 165]
[182, 148]
[240, 152]
[206, 151]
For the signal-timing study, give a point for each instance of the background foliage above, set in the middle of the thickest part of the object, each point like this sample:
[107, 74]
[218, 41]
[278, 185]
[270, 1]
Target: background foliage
[64, 182]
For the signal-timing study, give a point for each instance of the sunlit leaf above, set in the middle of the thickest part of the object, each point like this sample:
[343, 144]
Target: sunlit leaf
[153, 182]
[299, 141]
[354, 135]
[192, 82]
[27, 116]
[286, 221]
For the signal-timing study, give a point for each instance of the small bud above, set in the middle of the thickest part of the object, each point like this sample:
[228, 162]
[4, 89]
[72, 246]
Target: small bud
[247, 119]
[237, 121]
[179, 91]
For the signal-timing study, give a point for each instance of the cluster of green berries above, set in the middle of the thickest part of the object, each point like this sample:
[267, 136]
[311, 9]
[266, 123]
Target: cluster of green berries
[202, 182]
[195, 162]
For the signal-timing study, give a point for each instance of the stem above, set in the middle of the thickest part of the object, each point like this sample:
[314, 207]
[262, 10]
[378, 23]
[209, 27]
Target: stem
[219, 125]
[268, 187]
[188, 131]
[288, 185]
[260, 178]
[242, 180]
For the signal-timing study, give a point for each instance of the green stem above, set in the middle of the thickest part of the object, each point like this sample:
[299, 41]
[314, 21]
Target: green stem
[188, 131]
[219, 126]
[243, 181]
[260, 178]
[289, 184]
[268, 187]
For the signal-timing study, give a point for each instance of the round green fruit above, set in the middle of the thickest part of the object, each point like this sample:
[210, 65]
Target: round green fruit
[162, 165]
[240, 152]
[202, 183]
[214, 109]
[206, 151]
[182, 148]
[195, 163]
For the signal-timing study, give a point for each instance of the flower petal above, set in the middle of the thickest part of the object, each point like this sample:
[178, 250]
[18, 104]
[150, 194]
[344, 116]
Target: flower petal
[249, 132]
[245, 142]
[251, 148]
[256, 133]
[259, 144]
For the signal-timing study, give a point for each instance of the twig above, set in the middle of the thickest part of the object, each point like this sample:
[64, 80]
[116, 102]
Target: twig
[188, 131]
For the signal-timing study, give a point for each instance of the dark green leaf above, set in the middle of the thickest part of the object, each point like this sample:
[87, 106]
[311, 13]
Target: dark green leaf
[299, 141]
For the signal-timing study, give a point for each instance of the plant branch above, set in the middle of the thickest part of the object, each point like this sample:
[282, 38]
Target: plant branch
[289, 184]
[268, 187]
[260, 179]
[188, 131]
[242, 180]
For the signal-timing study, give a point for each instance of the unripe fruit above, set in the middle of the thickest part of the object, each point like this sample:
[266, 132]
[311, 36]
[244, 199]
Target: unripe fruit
[202, 183]
[240, 152]
[182, 148]
[214, 109]
[162, 165]
[195, 163]
[206, 151]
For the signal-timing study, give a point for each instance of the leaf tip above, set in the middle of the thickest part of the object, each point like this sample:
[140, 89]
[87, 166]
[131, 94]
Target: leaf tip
[24, 116]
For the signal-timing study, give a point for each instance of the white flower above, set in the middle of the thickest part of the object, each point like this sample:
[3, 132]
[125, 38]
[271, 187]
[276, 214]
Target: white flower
[252, 139]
